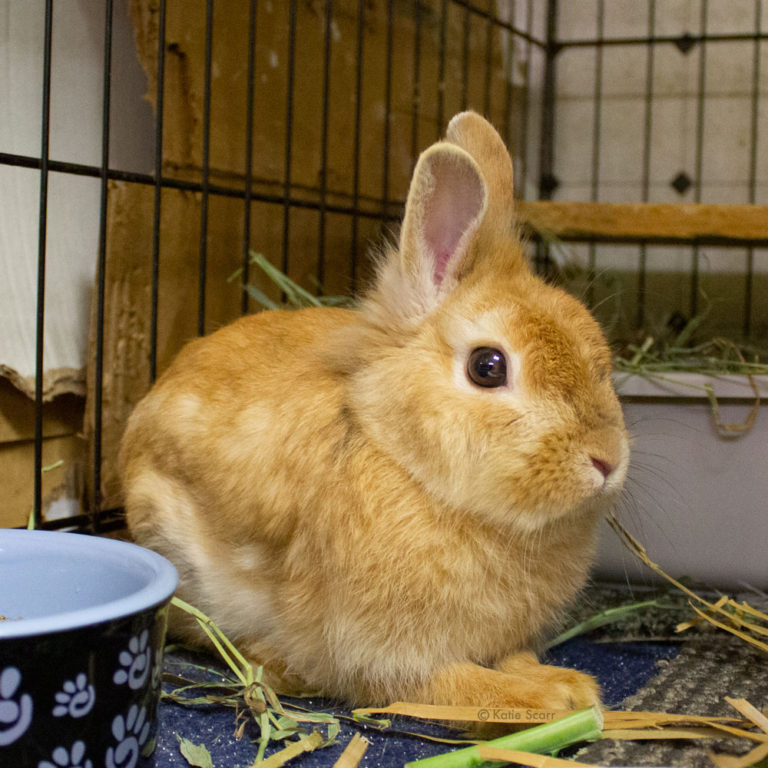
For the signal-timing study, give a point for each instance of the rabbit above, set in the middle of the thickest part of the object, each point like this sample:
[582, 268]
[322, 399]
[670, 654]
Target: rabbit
[395, 501]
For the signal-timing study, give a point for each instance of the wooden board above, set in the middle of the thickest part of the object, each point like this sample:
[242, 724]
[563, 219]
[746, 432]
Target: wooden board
[17, 475]
[648, 222]
[62, 440]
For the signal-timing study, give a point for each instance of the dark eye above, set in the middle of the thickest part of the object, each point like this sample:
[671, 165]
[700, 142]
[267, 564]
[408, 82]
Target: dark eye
[487, 367]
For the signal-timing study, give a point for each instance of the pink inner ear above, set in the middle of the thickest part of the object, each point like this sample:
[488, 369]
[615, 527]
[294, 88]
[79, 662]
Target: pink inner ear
[441, 264]
[453, 206]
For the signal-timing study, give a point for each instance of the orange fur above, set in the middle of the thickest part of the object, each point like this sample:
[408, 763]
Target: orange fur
[349, 508]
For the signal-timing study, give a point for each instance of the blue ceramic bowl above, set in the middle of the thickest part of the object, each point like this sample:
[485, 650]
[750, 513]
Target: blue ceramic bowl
[81, 642]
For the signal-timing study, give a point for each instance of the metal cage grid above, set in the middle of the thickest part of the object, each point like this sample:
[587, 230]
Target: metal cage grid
[689, 186]
[532, 135]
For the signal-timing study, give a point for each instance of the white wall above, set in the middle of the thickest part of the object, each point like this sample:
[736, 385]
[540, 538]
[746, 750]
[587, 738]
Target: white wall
[75, 136]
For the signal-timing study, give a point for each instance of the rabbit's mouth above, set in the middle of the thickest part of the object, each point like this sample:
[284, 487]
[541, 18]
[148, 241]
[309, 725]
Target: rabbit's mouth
[582, 514]
[575, 490]
[570, 473]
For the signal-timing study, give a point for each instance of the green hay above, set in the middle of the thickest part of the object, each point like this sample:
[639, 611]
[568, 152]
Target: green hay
[550, 738]
[245, 691]
[717, 357]
[195, 754]
[616, 615]
[296, 297]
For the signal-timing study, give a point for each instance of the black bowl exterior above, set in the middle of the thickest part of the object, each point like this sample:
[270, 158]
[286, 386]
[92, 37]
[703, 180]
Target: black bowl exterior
[84, 698]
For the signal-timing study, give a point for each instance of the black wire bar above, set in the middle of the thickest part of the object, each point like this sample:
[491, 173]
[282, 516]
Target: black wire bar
[699, 161]
[206, 168]
[158, 191]
[489, 14]
[95, 502]
[356, 150]
[596, 137]
[322, 219]
[466, 26]
[522, 143]
[687, 39]
[289, 137]
[41, 259]
[416, 98]
[753, 142]
[645, 184]
[170, 182]
[443, 45]
[547, 138]
[387, 111]
[488, 60]
[248, 190]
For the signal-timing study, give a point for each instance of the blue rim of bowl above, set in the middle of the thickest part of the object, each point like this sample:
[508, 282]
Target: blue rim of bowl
[158, 591]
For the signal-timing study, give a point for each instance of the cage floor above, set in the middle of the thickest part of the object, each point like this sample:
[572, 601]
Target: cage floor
[639, 665]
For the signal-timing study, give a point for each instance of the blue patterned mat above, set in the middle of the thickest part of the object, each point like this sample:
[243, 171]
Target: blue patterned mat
[621, 668]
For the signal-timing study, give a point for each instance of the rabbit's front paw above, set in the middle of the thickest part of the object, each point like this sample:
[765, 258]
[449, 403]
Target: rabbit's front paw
[549, 687]
[568, 689]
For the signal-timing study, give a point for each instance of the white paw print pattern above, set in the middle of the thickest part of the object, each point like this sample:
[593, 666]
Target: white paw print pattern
[131, 734]
[15, 713]
[75, 758]
[76, 698]
[157, 671]
[135, 662]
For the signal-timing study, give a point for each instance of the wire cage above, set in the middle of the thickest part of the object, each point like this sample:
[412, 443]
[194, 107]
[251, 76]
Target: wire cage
[153, 145]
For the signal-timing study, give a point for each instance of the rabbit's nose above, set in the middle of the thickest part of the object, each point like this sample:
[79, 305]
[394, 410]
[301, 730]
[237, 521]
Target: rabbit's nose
[602, 466]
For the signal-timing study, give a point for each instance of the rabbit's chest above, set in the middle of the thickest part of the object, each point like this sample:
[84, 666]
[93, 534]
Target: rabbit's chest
[494, 599]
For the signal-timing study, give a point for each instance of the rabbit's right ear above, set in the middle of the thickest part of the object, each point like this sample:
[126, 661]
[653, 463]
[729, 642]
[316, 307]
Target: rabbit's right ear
[447, 201]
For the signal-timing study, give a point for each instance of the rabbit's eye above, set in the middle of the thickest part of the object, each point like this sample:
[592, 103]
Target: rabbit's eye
[487, 367]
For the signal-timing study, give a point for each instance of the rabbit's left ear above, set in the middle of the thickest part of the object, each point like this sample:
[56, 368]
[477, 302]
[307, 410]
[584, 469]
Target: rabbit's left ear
[446, 203]
[479, 138]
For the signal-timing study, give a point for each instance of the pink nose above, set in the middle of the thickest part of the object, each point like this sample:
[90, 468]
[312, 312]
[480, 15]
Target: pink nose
[602, 466]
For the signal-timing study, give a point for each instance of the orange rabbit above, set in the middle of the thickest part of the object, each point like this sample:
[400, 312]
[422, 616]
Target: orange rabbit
[394, 502]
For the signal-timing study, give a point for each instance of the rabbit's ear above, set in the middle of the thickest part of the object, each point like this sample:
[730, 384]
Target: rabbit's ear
[446, 203]
[479, 138]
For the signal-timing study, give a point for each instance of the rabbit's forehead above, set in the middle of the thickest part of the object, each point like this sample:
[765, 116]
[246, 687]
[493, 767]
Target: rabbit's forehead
[528, 331]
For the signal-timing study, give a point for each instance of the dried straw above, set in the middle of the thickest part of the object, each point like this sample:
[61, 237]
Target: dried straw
[353, 752]
[729, 612]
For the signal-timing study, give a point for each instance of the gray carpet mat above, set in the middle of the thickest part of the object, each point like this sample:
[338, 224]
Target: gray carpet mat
[710, 666]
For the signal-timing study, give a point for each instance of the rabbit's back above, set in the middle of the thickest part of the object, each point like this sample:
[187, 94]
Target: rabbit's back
[235, 401]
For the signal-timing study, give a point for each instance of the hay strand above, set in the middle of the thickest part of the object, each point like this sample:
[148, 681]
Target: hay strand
[294, 749]
[449, 713]
[745, 761]
[731, 622]
[743, 707]
[494, 754]
[645, 734]
[226, 649]
[353, 752]
[608, 616]
[275, 721]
